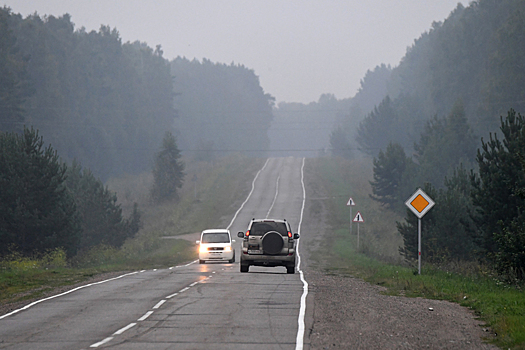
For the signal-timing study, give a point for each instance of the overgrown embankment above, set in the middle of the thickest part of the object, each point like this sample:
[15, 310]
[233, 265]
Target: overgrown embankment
[500, 306]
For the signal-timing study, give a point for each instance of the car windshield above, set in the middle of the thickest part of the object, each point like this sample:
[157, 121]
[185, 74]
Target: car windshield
[221, 237]
[260, 228]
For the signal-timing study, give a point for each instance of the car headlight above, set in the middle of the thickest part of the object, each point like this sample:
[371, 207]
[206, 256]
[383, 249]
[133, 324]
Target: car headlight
[203, 249]
[227, 249]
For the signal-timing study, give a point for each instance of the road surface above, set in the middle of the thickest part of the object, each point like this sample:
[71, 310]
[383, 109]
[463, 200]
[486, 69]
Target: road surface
[192, 306]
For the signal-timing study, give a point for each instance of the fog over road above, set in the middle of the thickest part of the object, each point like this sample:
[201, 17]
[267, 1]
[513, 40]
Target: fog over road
[209, 306]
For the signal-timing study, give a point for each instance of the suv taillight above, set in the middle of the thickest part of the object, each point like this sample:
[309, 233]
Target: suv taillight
[247, 233]
[289, 234]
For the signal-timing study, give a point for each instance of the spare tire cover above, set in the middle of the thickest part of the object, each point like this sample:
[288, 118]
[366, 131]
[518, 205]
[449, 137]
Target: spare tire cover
[272, 242]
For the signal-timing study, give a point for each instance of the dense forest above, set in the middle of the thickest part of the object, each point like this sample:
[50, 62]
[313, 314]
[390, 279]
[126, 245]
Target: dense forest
[221, 109]
[78, 107]
[94, 98]
[449, 121]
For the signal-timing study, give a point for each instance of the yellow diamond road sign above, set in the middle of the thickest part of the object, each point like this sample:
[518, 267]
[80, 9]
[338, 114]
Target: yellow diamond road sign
[420, 203]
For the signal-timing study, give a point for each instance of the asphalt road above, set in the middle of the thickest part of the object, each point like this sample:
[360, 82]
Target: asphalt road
[209, 306]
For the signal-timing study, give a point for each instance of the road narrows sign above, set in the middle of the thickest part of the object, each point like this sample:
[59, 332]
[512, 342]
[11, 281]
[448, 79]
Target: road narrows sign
[350, 202]
[359, 217]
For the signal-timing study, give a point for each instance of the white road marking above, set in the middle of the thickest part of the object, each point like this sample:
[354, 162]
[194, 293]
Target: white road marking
[184, 289]
[275, 197]
[249, 195]
[159, 304]
[122, 330]
[146, 315]
[194, 283]
[171, 296]
[62, 294]
[299, 342]
[96, 345]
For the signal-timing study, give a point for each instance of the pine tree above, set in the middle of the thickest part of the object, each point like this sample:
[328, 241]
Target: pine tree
[390, 170]
[497, 189]
[168, 171]
[37, 212]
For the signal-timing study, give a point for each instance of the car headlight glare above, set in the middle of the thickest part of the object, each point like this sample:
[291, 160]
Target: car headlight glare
[203, 249]
[227, 249]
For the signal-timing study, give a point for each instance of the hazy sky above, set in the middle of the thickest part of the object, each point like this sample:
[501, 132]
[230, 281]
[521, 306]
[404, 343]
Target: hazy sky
[300, 49]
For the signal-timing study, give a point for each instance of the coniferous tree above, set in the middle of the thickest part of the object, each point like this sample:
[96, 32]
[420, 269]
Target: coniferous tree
[497, 187]
[37, 212]
[390, 170]
[168, 171]
[100, 215]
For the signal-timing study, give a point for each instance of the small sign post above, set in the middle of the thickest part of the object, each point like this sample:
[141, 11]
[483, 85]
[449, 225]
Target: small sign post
[419, 203]
[358, 218]
[350, 203]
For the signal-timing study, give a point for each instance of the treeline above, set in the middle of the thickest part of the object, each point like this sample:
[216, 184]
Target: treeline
[107, 105]
[221, 109]
[303, 130]
[458, 83]
[94, 98]
[475, 56]
[45, 204]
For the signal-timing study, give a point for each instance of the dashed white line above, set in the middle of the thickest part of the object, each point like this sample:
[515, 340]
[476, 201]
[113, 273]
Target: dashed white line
[194, 283]
[102, 342]
[122, 330]
[146, 315]
[172, 295]
[159, 304]
[184, 289]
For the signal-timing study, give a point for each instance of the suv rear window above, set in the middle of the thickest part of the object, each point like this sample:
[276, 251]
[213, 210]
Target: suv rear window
[215, 238]
[260, 228]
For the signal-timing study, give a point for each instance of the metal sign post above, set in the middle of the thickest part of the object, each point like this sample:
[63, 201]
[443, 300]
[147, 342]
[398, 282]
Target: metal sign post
[419, 203]
[350, 203]
[358, 218]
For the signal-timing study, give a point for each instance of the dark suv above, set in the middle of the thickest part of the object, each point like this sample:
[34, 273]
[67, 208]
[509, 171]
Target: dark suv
[268, 243]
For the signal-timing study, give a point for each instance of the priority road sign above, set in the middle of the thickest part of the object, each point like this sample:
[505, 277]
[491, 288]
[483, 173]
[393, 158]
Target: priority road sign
[419, 203]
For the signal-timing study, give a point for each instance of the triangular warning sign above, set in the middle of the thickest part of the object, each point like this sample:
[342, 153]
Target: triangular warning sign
[350, 202]
[358, 218]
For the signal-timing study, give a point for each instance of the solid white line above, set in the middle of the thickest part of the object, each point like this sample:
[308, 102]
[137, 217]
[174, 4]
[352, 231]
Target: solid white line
[146, 315]
[302, 310]
[275, 197]
[249, 195]
[96, 345]
[122, 330]
[62, 294]
[159, 304]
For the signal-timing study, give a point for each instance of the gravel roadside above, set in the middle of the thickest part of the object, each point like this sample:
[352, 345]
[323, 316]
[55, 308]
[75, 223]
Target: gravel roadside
[349, 313]
[352, 314]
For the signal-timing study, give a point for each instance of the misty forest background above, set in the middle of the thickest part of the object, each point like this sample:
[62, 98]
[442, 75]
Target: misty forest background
[78, 108]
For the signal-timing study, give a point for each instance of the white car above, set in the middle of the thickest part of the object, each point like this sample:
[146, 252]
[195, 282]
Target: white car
[216, 245]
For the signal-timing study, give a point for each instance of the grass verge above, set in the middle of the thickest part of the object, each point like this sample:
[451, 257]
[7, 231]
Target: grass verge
[208, 202]
[500, 306]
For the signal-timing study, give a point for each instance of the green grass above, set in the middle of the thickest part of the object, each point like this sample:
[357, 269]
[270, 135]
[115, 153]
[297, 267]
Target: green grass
[208, 203]
[500, 306]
